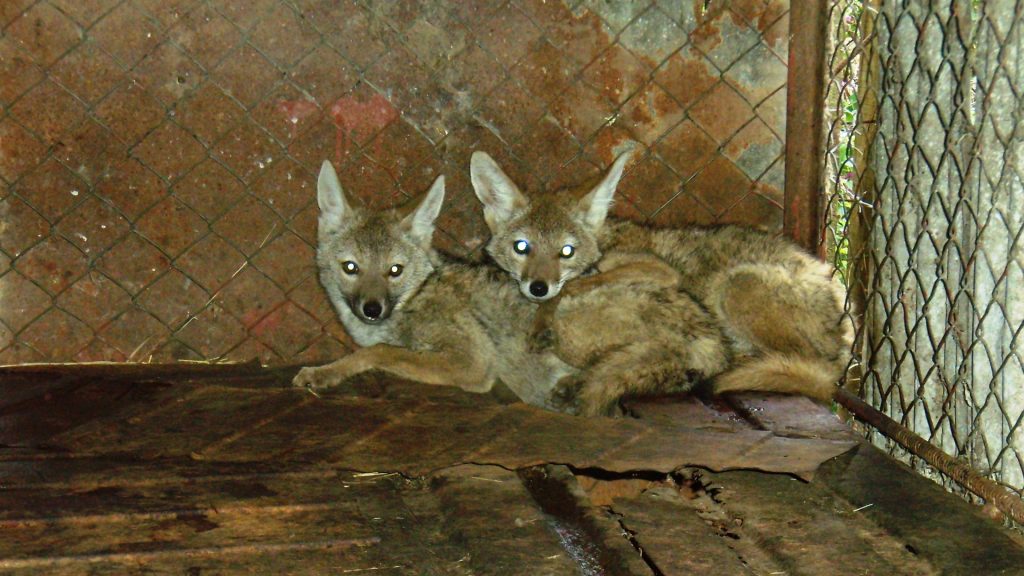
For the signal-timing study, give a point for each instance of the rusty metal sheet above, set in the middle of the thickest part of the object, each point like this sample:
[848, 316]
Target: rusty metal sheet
[793, 416]
[217, 423]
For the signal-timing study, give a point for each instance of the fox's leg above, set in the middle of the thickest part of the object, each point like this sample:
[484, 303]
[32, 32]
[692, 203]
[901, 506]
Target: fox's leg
[642, 368]
[441, 368]
[773, 309]
[617, 268]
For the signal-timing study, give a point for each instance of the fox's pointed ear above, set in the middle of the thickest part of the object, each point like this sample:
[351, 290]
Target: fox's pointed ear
[331, 198]
[593, 208]
[419, 224]
[500, 196]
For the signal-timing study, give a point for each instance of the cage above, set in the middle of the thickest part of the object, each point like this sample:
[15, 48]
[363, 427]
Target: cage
[159, 288]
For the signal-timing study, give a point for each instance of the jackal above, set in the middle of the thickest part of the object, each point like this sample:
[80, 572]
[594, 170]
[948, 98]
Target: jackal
[777, 305]
[424, 317]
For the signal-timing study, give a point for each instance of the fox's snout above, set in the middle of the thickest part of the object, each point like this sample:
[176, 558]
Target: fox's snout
[371, 311]
[539, 290]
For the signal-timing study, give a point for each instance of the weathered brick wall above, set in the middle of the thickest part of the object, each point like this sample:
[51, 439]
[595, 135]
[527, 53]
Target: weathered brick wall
[158, 158]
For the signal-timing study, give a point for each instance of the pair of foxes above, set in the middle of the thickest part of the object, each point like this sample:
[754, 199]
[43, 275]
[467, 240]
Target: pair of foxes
[576, 311]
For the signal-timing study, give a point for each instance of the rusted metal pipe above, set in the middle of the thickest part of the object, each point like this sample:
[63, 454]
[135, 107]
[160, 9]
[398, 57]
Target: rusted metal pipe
[805, 138]
[999, 496]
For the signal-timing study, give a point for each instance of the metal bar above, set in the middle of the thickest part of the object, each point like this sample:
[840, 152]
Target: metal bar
[805, 92]
[999, 496]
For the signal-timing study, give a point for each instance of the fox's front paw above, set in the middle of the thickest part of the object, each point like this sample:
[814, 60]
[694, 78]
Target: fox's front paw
[542, 335]
[542, 339]
[565, 397]
[316, 378]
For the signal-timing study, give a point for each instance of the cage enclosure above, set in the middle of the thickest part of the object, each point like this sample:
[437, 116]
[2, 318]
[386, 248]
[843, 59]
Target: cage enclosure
[159, 288]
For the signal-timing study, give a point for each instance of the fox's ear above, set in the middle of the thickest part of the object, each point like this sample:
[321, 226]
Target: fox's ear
[419, 224]
[331, 198]
[500, 196]
[593, 208]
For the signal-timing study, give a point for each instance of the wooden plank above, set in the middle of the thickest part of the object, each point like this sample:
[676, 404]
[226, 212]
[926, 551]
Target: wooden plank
[924, 518]
[678, 540]
[489, 512]
[930, 522]
[807, 529]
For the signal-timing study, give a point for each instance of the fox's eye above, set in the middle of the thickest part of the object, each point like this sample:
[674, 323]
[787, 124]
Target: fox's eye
[395, 271]
[350, 267]
[567, 251]
[521, 247]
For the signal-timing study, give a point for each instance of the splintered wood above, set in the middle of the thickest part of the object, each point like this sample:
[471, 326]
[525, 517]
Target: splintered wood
[223, 469]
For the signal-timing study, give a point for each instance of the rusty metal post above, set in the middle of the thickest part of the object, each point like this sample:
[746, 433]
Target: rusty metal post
[808, 23]
[999, 496]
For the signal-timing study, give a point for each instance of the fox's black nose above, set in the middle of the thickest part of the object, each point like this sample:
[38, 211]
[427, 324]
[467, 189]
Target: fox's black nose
[373, 310]
[538, 288]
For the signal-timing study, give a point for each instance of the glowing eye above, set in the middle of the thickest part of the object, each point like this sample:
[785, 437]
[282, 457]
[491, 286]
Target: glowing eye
[349, 267]
[395, 271]
[521, 247]
[567, 251]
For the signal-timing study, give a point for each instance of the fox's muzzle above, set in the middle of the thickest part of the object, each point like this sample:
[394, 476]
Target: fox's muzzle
[539, 290]
[371, 311]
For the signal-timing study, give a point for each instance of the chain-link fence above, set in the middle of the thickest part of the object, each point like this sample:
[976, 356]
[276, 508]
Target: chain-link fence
[924, 217]
[158, 158]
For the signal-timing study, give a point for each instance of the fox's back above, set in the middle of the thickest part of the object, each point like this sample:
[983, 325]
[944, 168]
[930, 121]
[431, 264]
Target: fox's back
[698, 253]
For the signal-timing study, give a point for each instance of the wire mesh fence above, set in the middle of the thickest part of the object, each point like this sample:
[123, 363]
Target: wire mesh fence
[157, 159]
[924, 217]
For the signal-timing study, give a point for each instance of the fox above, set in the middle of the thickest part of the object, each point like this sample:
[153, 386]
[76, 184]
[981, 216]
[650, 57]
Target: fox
[778, 306]
[427, 317]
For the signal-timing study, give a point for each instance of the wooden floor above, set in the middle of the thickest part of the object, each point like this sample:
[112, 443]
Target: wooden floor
[221, 470]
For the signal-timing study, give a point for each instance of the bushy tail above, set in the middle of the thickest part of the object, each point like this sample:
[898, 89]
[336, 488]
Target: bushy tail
[812, 377]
